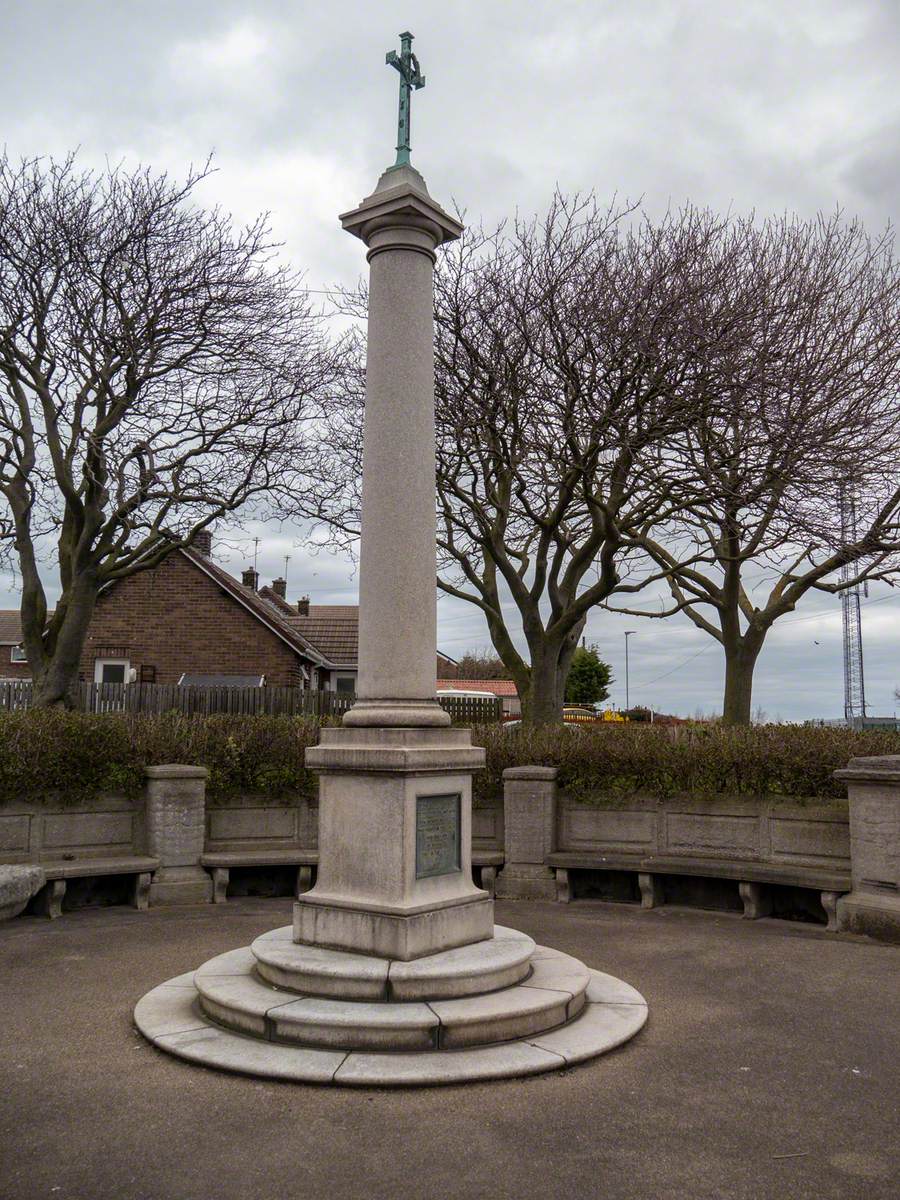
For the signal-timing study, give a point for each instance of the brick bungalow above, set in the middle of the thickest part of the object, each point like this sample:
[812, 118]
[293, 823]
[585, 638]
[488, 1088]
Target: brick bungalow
[188, 620]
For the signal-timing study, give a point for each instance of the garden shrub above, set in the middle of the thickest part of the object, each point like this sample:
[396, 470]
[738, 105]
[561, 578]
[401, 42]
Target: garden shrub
[71, 756]
[609, 763]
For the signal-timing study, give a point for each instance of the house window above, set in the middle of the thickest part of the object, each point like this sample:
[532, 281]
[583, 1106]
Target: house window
[110, 670]
[346, 684]
[17, 654]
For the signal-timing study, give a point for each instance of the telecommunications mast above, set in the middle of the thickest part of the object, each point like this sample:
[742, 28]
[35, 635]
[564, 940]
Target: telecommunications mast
[854, 680]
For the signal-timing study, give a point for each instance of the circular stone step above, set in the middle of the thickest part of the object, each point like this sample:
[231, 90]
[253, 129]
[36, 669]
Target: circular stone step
[170, 1017]
[232, 994]
[486, 966]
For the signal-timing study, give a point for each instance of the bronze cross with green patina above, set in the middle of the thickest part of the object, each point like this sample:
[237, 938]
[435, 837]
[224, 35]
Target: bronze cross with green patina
[410, 77]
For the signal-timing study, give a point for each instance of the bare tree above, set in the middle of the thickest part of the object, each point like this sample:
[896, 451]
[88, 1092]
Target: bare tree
[157, 373]
[795, 428]
[562, 350]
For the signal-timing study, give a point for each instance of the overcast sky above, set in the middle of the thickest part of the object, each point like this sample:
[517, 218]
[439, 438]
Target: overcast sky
[759, 104]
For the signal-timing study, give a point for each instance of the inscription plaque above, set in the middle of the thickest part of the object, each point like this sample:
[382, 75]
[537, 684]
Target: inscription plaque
[437, 835]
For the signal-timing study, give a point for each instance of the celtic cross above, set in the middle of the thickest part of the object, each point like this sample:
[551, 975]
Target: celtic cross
[410, 77]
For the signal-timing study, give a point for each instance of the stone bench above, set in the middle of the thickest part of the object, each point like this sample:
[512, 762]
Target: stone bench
[49, 901]
[751, 877]
[488, 861]
[220, 863]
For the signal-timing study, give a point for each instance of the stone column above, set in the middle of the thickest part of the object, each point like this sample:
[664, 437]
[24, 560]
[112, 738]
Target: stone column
[402, 226]
[529, 820]
[395, 812]
[176, 827]
[873, 906]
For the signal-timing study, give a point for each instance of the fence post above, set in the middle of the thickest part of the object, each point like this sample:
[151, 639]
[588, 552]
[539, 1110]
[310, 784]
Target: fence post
[873, 907]
[176, 828]
[529, 817]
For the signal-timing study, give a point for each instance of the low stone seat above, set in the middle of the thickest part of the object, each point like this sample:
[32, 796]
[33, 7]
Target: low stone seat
[488, 861]
[58, 871]
[751, 876]
[221, 862]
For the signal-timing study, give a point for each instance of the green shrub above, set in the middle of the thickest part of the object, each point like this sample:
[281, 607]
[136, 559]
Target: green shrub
[72, 756]
[615, 761]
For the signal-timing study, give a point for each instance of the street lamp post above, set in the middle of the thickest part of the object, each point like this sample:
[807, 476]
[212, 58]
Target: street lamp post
[628, 633]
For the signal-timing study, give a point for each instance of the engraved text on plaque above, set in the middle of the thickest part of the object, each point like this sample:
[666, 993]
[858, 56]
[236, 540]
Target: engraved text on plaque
[437, 835]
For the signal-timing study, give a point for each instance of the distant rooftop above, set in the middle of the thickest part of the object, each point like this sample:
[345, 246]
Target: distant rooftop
[500, 687]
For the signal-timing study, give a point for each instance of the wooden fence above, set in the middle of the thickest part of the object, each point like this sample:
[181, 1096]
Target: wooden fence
[247, 701]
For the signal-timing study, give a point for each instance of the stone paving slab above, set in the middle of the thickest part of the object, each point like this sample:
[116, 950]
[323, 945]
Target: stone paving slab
[313, 970]
[214, 1047]
[599, 1028]
[233, 962]
[168, 1009]
[438, 1069]
[501, 1016]
[340, 1024]
[240, 1001]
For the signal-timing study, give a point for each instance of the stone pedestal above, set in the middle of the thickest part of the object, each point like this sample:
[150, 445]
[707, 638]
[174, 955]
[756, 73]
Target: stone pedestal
[529, 821]
[176, 817]
[873, 788]
[395, 836]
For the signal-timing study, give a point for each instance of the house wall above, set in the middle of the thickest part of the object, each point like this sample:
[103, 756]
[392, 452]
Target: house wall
[176, 619]
[10, 669]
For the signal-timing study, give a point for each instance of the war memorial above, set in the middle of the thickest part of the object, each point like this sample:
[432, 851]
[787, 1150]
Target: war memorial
[394, 972]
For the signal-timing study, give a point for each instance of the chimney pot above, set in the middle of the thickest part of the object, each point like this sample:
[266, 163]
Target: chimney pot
[279, 587]
[250, 579]
[303, 606]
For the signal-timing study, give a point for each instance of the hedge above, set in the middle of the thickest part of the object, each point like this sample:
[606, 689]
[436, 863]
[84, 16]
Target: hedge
[616, 761]
[72, 756]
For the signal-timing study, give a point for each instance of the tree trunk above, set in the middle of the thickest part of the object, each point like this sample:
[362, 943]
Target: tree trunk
[740, 661]
[542, 704]
[55, 687]
[56, 676]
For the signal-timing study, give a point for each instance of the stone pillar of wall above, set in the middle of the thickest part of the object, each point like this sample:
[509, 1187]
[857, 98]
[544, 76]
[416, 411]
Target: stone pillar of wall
[529, 816]
[176, 820]
[873, 906]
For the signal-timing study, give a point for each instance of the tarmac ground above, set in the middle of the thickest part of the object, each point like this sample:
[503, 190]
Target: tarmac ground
[769, 1067]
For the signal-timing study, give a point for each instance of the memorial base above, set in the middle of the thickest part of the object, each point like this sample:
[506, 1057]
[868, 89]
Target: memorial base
[395, 836]
[396, 935]
[499, 1008]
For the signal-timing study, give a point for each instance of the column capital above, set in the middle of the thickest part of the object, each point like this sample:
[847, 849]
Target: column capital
[400, 214]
